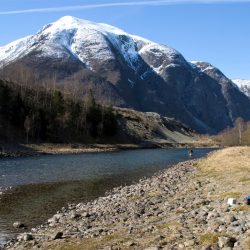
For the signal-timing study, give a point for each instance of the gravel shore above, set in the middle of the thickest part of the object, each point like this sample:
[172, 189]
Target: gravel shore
[176, 209]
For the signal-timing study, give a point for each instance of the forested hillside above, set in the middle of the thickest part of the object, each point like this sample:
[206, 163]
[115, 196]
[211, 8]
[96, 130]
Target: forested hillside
[42, 115]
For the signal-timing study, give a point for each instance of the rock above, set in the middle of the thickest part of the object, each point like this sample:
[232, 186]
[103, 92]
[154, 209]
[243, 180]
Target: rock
[207, 247]
[54, 219]
[18, 224]
[189, 243]
[230, 218]
[85, 214]
[226, 241]
[75, 216]
[129, 243]
[181, 246]
[152, 248]
[58, 235]
[27, 237]
[108, 248]
[212, 215]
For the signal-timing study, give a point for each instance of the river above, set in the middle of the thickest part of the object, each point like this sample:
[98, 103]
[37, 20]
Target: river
[42, 185]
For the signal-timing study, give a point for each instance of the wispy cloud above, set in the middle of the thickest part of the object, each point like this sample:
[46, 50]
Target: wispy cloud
[119, 4]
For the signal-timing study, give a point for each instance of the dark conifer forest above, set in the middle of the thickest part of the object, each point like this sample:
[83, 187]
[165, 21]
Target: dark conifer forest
[39, 115]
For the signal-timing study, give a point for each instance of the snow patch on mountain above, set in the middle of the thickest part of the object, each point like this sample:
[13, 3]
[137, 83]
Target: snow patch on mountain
[14, 50]
[202, 66]
[244, 85]
[242, 82]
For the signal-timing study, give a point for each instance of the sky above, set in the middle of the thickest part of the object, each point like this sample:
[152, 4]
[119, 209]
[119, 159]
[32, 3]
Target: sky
[216, 31]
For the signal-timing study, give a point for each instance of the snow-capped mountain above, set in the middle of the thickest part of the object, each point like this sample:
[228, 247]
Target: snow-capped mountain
[244, 85]
[87, 42]
[129, 71]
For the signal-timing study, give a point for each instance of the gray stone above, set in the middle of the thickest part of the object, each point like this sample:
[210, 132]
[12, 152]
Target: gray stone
[226, 241]
[207, 248]
[58, 235]
[75, 216]
[189, 243]
[230, 218]
[18, 224]
[129, 243]
[27, 237]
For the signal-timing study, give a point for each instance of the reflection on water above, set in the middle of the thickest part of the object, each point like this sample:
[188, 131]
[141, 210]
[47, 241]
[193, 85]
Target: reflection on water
[44, 184]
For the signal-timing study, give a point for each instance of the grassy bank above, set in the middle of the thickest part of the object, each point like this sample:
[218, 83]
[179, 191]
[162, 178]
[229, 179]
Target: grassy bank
[230, 169]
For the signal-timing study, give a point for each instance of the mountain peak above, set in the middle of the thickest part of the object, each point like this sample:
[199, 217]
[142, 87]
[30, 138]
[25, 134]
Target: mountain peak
[70, 22]
[66, 23]
[68, 19]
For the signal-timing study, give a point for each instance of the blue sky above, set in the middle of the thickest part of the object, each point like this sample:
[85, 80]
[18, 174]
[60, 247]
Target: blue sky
[207, 30]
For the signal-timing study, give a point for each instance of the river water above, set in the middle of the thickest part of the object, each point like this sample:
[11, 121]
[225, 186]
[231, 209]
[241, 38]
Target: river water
[44, 184]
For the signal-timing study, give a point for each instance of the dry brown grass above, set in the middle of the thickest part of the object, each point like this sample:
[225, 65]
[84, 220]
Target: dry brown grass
[248, 244]
[85, 244]
[209, 238]
[230, 168]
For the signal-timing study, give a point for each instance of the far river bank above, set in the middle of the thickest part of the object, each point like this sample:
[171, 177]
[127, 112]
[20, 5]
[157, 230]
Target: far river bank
[27, 150]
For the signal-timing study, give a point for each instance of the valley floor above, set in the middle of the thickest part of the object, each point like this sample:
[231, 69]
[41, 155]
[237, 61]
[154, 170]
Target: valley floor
[184, 207]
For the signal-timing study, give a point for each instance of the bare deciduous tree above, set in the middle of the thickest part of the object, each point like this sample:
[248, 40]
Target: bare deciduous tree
[239, 125]
[27, 126]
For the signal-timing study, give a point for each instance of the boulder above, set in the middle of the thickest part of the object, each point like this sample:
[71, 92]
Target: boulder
[226, 241]
[57, 236]
[18, 224]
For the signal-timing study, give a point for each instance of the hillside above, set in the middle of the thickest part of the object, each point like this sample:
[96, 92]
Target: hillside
[154, 129]
[37, 115]
[125, 70]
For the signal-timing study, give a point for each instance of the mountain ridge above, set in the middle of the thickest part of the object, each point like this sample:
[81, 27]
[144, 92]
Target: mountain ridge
[129, 71]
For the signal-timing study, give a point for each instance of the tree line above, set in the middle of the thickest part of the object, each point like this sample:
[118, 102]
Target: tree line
[39, 115]
[239, 135]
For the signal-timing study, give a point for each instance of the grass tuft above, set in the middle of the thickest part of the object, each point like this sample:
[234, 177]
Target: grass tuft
[209, 238]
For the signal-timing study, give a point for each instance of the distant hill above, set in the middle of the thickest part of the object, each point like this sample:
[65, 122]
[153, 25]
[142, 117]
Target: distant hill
[126, 71]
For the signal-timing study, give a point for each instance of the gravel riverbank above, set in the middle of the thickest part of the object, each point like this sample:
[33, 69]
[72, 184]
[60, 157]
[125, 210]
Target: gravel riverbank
[179, 208]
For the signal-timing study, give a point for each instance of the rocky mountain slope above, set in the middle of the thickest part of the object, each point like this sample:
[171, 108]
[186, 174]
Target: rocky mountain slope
[152, 129]
[126, 71]
[244, 85]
